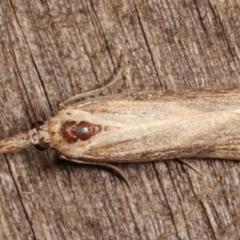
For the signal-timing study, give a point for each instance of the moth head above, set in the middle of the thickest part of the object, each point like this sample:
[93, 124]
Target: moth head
[41, 146]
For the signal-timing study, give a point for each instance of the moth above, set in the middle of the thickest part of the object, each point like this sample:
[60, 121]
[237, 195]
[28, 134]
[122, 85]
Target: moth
[142, 126]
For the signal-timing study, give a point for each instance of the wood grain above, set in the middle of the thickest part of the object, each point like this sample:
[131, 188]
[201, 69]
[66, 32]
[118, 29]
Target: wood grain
[74, 46]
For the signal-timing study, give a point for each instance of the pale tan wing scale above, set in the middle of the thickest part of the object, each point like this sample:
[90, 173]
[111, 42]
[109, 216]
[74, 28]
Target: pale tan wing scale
[147, 126]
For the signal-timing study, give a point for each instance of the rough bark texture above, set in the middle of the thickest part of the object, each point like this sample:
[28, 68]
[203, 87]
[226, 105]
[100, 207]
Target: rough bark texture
[65, 48]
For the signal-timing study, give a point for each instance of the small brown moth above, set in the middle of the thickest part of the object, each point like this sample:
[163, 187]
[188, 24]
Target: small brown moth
[142, 126]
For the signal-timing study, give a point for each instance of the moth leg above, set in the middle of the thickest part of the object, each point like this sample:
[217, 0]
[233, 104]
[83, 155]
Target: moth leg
[90, 93]
[105, 165]
[191, 166]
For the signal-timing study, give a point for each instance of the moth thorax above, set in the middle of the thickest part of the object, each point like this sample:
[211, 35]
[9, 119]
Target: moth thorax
[73, 131]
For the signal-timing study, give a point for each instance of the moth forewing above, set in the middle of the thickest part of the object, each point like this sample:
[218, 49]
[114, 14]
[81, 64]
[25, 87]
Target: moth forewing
[147, 126]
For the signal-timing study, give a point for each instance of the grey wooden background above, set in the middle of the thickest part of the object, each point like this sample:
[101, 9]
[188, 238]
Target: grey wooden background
[66, 47]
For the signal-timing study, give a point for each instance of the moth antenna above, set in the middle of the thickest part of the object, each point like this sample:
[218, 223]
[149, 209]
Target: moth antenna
[116, 169]
[192, 167]
[91, 93]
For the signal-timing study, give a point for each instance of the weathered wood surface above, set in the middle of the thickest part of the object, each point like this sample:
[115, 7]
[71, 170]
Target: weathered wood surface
[73, 46]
